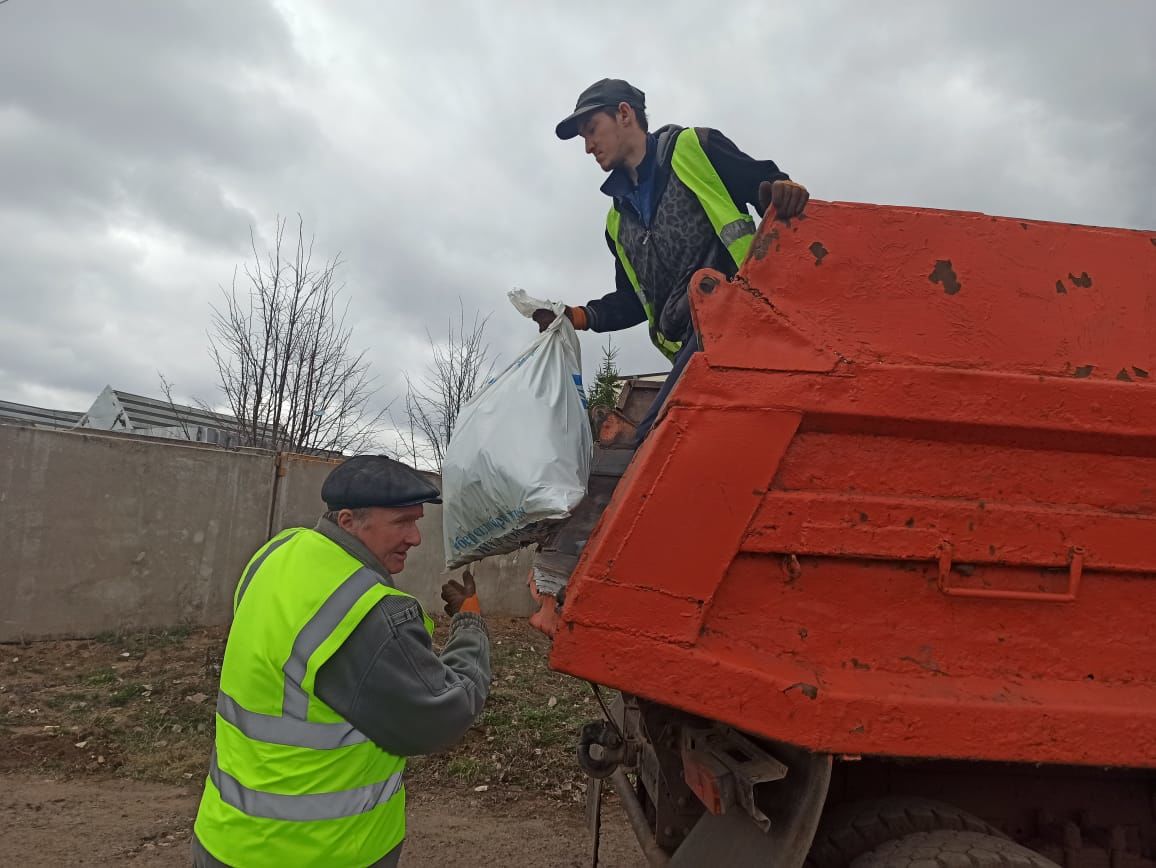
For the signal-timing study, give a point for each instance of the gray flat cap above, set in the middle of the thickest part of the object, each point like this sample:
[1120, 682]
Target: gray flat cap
[375, 480]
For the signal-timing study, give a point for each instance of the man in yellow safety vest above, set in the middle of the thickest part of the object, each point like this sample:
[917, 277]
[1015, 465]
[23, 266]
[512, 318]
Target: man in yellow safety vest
[679, 202]
[330, 681]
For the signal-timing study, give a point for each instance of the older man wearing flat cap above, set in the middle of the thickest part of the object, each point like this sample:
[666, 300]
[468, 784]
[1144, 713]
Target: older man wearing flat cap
[330, 681]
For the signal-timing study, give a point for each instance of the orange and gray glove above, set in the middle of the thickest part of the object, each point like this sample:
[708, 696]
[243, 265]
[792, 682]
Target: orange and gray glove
[576, 315]
[461, 596]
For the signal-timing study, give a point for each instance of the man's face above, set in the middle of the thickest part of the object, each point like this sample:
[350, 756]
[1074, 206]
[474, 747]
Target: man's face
[605, 138]
[388, 533]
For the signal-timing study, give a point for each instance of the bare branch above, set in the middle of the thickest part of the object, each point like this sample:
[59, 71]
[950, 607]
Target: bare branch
[282, 352]
[458, 368]
[167, 391]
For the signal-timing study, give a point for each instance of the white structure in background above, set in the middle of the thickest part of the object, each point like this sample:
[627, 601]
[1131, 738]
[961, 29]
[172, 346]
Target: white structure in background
[12, 413]
[114, 410]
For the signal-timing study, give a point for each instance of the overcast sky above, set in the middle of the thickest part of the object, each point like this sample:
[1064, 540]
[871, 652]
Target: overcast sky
[140, 140]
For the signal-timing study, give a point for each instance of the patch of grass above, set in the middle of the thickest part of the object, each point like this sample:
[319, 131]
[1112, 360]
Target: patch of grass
[466, 769]
[137, 717]
[124, 695]
[527, 735]
[131, 712]
[99, 677]
[168, 747]
[146, 640]
[67, 700]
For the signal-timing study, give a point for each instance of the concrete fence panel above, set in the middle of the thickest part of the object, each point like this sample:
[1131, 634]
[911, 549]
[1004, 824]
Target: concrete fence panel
[104, 532]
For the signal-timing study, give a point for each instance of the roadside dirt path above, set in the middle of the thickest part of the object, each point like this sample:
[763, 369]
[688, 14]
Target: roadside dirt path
[103, 743]
[50, 823]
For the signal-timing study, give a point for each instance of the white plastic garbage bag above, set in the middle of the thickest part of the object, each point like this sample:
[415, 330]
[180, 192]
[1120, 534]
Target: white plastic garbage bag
[519, 457]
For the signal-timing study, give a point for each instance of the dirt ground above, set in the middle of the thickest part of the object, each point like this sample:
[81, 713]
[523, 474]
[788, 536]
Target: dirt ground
[103, 743]
[50, 823]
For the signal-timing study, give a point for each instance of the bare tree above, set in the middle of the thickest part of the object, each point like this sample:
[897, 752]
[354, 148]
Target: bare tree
[459, 367]
[281, 347]
[167, 391]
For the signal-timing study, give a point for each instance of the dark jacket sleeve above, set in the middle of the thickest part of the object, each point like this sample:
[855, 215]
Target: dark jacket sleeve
[387, 681]
[741, 174]
[620, 309]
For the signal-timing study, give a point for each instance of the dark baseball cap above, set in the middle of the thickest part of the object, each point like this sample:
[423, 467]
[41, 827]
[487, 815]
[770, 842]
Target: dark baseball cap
[602, 94]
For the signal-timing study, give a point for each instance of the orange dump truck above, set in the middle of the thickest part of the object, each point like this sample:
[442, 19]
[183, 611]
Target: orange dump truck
[880, 588]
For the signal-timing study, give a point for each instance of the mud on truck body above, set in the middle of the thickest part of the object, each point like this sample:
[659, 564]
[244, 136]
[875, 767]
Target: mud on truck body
[879, 588]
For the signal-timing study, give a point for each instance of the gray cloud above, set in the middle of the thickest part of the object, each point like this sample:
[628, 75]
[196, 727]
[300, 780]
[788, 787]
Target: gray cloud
[139, 141]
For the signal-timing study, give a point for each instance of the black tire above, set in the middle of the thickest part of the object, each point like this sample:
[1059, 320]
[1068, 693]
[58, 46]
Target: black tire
[952, 849]
[856, 828]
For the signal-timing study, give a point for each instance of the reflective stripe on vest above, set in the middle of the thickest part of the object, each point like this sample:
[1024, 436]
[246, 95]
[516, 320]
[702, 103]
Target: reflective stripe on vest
[292, 728]
[290, 781]
[302, 808]
[286, 730]
[735, 228]
[320, 626]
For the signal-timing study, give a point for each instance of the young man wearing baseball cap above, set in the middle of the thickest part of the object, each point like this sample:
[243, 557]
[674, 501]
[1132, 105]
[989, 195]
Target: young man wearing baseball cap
[680, 199]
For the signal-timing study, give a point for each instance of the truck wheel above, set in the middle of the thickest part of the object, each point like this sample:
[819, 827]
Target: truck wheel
[952, 849]
[853, 829]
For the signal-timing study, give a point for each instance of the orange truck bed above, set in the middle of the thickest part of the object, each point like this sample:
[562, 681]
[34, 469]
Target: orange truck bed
[903, 503]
